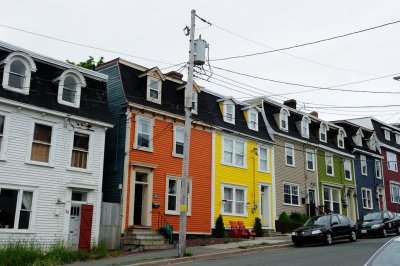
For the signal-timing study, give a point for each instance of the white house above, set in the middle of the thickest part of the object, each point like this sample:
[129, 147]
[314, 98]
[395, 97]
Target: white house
[53, 120]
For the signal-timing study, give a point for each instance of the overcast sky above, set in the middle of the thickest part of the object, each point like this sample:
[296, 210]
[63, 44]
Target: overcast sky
[154, 30]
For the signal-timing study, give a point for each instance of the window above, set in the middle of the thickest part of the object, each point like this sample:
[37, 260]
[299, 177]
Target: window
[263, 164]
[143, 133]
[378, 169]
[329, 164]
[347, 169]
[153, 90]
[387, 134]
[80, 151]
[69, 87]
[253, 120]
[174, 186]
[358, 138]
[305, 130]
[372, 142]
[234, 152]
[284, 119]
[392, 161]
[79, 196]
[41, 143]
[179, 140]
[394, 192]
[229, 112]
[310, 160]
[17, 72]
[289, 154]
[15, 208]
[397, 138]
[195, 96]
[366, 198]
[340, 139]
[291, 194]
[363, 161]
[323, 133]
[332, 200]
[2, 122]
[234, 200]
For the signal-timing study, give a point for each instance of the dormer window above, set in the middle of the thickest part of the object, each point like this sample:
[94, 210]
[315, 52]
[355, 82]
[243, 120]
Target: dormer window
[340, 138]
[194, 102]
[305, 127]
[153, 90]
[372, 142]
[253, 120]
[397, 138]
[357, 138]
[387, 134]
[284, 119]
[18, 67]
[70, 84]
[323, 130]
[229, 112]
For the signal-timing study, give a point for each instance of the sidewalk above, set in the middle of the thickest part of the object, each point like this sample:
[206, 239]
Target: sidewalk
[164, 257]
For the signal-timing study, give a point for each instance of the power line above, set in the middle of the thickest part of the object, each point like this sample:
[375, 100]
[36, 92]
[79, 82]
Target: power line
[309, 43]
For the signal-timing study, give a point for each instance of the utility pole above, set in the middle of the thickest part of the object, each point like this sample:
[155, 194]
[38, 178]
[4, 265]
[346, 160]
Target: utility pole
[186, 144]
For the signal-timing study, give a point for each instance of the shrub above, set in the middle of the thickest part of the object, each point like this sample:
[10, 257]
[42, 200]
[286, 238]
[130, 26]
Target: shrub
[295, 217]
[219, 227]
[100, 251]
[258, 227]
[283, 218]
[20, 253]
[304, 218]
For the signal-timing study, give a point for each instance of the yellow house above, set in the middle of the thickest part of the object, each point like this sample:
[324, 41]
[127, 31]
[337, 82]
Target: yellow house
[242, 166]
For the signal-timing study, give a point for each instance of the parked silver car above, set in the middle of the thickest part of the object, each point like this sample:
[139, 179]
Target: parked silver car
[387, 255]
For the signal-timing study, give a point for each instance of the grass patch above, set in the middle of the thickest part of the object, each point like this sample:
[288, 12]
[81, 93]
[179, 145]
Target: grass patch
[115, 253]
[99, 251]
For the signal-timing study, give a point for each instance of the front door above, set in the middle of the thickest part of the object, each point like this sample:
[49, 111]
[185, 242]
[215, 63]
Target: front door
[142, 208]
[137, 215]
[264, 206]
[74, 226]
[311, 202]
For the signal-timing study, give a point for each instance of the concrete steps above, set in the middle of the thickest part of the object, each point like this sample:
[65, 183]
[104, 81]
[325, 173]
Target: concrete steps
[144, 238]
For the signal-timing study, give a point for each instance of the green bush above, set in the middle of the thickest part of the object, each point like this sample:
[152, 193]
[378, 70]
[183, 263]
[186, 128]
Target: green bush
[100, 251]
[283, 218]
[219, 227]
[295, 217]
[304, 218]
[20, 253]
[258, 227]
[61, 254]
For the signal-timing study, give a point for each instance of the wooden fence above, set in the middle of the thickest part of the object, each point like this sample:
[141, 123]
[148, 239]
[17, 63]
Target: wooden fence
[110, 224]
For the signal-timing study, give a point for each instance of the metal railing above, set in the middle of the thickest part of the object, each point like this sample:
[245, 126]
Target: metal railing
[164, 227]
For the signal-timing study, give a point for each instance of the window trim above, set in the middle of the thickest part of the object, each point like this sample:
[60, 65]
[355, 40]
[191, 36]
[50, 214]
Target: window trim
[90, 152]
[32, 220]
[340, 138]
[379, 162]
[249, 121]
[348, 163]
[234, 188]
[331, 189]
[290, 146]
[268, 170]
[298, 193]
[394, 184]
[312, 152]
[30, 67]
[284, 111]
[225, 116]
[387, 134]
[195, 100]
[234, 140]
[81, 83]
[3, 145]
[178, 195]
[389, 162]
[363, 162]
[326, 164]
[28, 160]
[323, 127]
[305, 123]
[151, 79]
[363, 189]
[176, 127]
[135, 144]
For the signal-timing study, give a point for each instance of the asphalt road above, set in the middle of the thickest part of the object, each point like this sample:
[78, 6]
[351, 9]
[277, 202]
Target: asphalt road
[341, 253]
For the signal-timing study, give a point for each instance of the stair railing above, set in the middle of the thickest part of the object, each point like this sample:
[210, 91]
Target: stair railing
[165, 228]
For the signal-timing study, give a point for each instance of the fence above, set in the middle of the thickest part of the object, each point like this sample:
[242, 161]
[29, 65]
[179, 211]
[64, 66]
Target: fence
[110, 224]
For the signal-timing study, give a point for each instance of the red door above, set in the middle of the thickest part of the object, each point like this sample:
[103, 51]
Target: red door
[86, 227]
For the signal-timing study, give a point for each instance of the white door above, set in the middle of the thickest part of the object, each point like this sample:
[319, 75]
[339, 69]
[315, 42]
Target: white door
[264, 208]
[74, 226]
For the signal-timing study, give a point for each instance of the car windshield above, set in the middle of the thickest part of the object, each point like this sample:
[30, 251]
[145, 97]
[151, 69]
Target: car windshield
[320, 220]
[389, 255]
[372, 216]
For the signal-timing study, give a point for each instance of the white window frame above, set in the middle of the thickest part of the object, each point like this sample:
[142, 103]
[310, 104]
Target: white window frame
[135, 145]
[378, 169]
[392, 186]
[363, 165]
[291, 193]
[331, 189]
[340, 138]
[32, 220]
[323, 129]
[4, 141]
[305, 127]
[81, 83]
[347, 167]
[387, 134]
[312, 152]
[176, 128]
[253, 125]
[195, 102]
[284, 117]
[234, 152]
[391, 162]
[28, 160]
[88, 168]
[290, 147]
[232, 114]
[263, 160]
[234, 188]
[328, 155]
[178, 179]
[150, 80]
[397, 138]
[366, 197]
[29, 65]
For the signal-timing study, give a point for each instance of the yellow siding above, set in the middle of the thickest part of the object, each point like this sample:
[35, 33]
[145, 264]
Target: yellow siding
[248, 177]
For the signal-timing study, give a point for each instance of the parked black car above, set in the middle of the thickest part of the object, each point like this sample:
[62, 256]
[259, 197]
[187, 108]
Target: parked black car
[379, 224]
[324, 229]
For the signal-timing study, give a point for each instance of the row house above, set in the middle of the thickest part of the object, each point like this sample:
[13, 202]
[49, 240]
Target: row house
[143, 166]
[368, 167]
[53, 121]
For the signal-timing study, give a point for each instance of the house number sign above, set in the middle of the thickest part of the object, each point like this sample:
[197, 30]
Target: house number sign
[155, 196]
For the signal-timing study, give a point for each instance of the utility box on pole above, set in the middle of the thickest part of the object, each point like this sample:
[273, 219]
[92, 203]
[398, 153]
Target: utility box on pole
[200, 51]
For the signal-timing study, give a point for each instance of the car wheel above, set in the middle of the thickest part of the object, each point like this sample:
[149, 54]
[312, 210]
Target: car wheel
[328, 239]
[398, 230]
[353, 236]
[384, 232]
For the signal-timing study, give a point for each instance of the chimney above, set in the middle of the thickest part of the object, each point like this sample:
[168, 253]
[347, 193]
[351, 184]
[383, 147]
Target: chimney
[290, 103]
[175, 75]
[314, 113]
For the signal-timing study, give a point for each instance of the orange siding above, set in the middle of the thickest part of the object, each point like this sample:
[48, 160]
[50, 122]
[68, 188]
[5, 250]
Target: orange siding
[199, 170]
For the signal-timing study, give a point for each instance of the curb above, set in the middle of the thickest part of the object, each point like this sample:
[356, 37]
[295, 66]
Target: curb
[235, 252]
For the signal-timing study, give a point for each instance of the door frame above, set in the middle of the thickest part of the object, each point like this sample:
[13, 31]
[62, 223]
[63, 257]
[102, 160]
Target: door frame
[270, 207]
[79, 205]
[146, 217]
